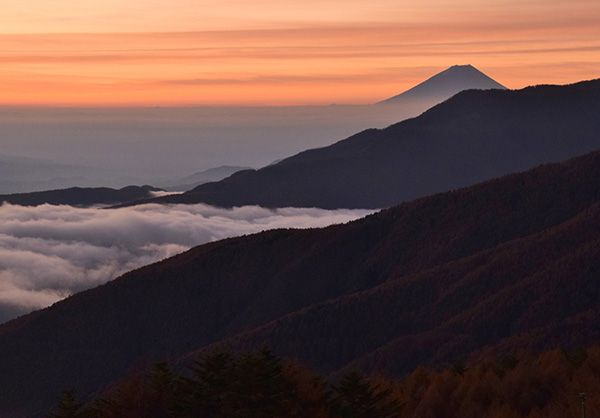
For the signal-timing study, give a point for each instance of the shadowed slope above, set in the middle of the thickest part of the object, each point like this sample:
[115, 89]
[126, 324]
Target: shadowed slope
[536, 292]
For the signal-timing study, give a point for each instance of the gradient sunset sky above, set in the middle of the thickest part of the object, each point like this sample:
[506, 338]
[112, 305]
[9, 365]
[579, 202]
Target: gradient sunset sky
[285, 52]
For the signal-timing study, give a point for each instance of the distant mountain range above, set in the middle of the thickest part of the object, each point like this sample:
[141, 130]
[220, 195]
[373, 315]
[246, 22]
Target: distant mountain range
[212, 174]
[197, 136]
[474, 136]
[446, 84]
[78, 196]
[512, 262]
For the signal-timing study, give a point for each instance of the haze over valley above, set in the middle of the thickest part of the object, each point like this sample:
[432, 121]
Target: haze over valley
[116, 147]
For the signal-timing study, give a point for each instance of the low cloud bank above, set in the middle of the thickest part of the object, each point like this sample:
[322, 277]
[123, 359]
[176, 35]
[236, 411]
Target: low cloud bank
[49, 252]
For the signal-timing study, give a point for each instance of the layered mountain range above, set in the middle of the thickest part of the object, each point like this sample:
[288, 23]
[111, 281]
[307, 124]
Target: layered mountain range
[474, 136]
[114, 147]
[509, 263]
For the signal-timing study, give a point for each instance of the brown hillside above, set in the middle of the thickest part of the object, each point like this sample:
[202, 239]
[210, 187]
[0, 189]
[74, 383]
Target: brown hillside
[428, 281]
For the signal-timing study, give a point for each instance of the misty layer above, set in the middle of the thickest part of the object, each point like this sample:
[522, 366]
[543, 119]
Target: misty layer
[48, 252]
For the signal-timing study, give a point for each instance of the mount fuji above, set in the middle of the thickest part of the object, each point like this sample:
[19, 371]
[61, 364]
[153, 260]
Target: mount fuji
[446, 84]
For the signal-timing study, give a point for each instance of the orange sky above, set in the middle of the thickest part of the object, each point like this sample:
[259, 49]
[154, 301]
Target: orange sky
[267, 52]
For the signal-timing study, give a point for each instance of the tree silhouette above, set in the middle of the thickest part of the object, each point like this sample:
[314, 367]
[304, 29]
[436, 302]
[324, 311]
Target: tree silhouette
[69, 407]
[355, 397]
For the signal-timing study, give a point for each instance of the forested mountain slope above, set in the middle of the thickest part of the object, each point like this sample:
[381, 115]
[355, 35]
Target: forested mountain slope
[509, 262]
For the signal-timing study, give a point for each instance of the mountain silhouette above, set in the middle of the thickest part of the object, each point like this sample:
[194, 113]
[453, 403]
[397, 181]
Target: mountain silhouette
[474, 136]
[446, 84]
[212, 174]
[78, 196]
[511, 262]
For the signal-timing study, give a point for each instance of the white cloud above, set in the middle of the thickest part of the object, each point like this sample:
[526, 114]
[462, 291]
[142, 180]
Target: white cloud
[49, 252]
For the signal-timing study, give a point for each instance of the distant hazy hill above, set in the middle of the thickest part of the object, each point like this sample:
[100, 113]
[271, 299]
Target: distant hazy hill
[77, 196]
[512, 262]
[446, 84]
[201, 177]
[23, 174]
[474, 136]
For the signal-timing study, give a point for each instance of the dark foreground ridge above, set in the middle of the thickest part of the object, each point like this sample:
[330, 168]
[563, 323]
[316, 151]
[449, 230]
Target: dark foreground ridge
[516, 385]
[474, 136]
[509, 263]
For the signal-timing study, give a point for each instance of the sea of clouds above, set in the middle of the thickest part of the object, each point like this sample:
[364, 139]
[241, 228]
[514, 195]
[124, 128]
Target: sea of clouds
[49, 252]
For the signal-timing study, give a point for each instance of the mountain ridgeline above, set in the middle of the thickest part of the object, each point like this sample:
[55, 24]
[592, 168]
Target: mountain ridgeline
[474, 136]
[80, 196]
[506, 264]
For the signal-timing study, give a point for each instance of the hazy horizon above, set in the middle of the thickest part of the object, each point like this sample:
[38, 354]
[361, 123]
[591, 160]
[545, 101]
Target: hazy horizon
[116, 147]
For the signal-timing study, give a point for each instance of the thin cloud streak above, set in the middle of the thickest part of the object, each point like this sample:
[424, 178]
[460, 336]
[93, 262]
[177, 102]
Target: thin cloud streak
[238, 65]
[138, 15]
[304, 53]
[48, 252]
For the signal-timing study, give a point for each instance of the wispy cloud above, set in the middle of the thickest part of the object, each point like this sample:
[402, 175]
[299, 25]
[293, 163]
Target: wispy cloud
[48, 252]
[340, 59]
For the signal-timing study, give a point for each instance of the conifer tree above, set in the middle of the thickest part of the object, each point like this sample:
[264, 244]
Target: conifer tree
[355, 397]
[69, 407]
